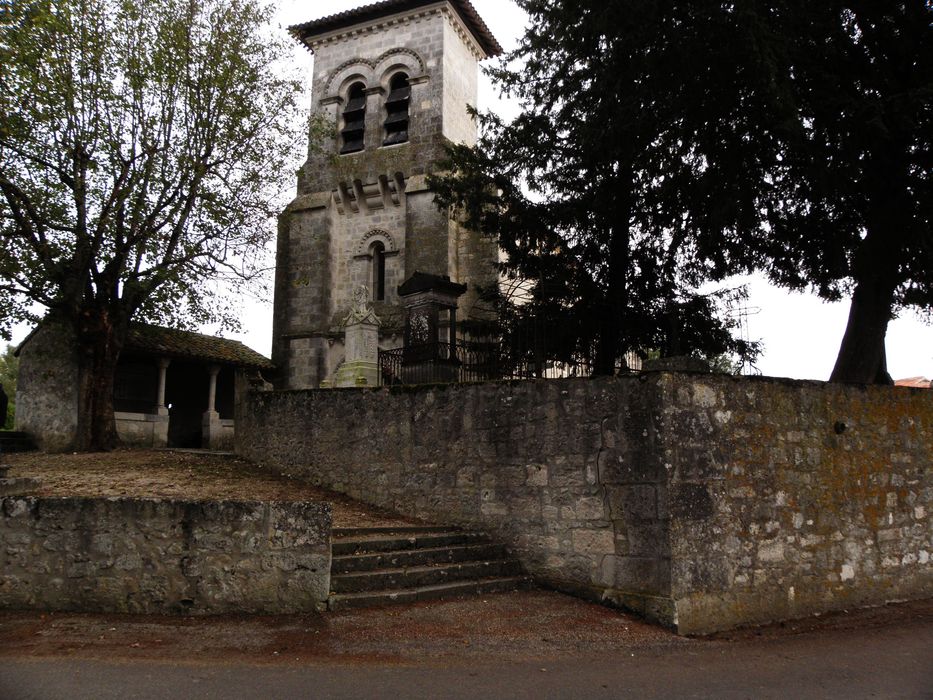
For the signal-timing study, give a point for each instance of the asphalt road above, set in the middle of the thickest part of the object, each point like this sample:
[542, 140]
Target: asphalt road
[876, 662]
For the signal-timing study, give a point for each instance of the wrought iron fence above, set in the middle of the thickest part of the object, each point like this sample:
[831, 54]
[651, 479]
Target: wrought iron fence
[434, 363]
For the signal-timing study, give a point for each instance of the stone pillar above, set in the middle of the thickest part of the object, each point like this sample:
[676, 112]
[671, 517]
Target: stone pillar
[210, 424]
[427, 357]
[361, 344]
[212, 390]
[161, 418]
[161, 410]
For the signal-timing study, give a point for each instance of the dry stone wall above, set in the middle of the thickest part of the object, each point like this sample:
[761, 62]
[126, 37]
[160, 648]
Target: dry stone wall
[791, 498]
[163, 556]
[703, 502]
[47, 387]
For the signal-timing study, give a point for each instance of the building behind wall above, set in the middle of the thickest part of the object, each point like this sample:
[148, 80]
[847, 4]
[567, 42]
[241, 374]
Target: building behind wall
[392, 81]
[172, 388]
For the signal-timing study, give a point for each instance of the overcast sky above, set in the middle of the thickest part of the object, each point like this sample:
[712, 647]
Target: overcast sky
[801, 334]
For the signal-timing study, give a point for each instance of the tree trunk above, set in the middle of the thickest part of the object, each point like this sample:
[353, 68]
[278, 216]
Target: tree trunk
[862, 355]
[100, 344]
[615, 305]
[862, 358]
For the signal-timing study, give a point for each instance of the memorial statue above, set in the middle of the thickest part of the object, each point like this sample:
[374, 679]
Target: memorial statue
[361, 343]
[361, 310]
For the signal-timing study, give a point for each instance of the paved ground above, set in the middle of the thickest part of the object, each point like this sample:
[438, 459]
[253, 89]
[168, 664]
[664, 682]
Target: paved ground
[180, 474]
[525, 645]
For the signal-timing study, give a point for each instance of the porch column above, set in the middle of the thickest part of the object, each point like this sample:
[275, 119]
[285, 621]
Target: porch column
[212, 391]
[161, 410]
[160, 424]
[210, 424]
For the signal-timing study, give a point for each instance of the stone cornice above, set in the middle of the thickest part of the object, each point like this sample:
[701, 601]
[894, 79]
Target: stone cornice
[313, 43]
[371, 17]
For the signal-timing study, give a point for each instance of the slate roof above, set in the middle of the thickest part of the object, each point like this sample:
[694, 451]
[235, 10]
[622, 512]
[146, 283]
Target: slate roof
[367, 13]
[169, 342]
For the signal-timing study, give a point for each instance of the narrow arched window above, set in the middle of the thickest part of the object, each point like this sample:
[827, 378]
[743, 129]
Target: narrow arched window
[397, 110]
[379, 271]
[354, 120]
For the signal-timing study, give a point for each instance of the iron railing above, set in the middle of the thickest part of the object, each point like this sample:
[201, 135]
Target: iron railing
[434, 363]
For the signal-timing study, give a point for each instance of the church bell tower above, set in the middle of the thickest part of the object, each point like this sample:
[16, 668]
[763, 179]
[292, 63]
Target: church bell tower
[391, 84]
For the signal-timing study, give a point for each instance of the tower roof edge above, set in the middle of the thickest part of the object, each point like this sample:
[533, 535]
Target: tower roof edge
[378, 10]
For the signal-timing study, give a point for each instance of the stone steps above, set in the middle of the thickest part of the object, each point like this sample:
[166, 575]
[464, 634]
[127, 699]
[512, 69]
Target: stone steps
[419, 576]
[15, 486]
[20, 486]
[352, 563]
[402, 530]
[401, 539]
[380, 566]
[446, 590]
[13, 441]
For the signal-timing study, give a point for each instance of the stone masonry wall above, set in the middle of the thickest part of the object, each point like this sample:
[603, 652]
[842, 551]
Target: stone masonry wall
[47, 387]
[521, 459]
[790, 498]
[163, 556]
[703, 502]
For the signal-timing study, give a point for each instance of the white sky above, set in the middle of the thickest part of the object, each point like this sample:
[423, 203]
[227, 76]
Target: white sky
[801, 334]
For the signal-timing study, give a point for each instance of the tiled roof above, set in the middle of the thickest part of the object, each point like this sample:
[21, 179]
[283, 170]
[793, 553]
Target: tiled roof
[169, 342]
[917, 382]
[367, 13]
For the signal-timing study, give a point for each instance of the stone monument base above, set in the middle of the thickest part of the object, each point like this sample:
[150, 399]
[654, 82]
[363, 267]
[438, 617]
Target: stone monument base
[357, 373]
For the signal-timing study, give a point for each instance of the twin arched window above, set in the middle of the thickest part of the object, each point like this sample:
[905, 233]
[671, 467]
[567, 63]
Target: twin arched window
[397, 103]
[352, 135]
[354, 120]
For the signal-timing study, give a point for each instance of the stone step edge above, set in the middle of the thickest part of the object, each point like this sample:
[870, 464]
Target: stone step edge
[424, 568]
[352, 532]
[410, 595]
[353, 545]
[421, 550]
[19, 486]
[407, 536]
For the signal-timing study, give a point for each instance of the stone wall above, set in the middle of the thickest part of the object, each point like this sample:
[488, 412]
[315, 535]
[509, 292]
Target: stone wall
[142, 429]
[790, 498]
[703, 502]
[162, 556]
[47, 387]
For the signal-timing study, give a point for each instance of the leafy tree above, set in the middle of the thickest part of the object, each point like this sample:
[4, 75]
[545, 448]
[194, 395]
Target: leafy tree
[850, 209]
[9, 366]
[138, 145]
[619, 169]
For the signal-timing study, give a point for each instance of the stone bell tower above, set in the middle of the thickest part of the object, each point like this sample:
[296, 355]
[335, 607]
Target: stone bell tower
[392, 82]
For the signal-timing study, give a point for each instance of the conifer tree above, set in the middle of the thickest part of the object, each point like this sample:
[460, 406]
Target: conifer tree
[664, 144]
[850, 211]
[603, 189]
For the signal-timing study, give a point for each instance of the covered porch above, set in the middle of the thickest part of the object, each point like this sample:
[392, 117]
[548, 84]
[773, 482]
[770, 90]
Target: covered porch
[179, 389]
